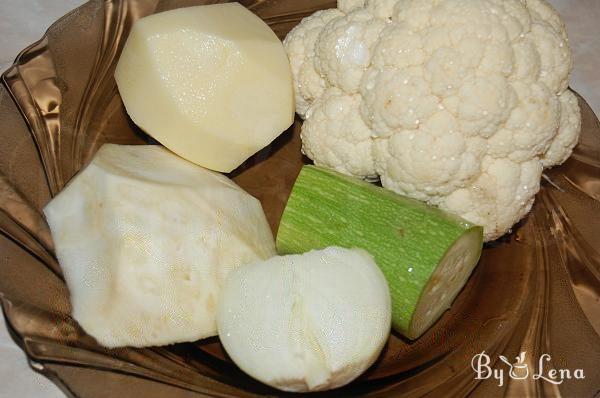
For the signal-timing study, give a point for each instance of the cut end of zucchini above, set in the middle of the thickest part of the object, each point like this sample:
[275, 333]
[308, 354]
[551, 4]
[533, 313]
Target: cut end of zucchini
[446, 282]
[425, 254]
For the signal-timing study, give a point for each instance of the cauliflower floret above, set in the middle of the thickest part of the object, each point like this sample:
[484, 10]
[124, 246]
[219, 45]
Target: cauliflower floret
[398, 46]
[431, 162]
[555, 57]
[415, 14]
[516, 18]
[527, 62]
[501, 196]
[335, 135]
[446, 70]
[395, 100]
[344, 48]
[459, 103]
[300, 47]
[568, 132]
[485, 104]
[347, 6]
[381, 8]
[531, 127]
[541, 11]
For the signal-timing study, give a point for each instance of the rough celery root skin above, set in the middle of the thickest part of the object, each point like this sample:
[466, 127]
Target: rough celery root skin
[407, 238]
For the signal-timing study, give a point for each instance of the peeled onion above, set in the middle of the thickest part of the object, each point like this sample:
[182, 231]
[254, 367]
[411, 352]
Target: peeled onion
[306, 322]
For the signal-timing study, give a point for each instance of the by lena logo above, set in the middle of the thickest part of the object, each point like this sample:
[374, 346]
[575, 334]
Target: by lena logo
[520, 370]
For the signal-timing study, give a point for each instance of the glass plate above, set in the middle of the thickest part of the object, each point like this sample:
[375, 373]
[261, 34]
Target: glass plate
[535, 291]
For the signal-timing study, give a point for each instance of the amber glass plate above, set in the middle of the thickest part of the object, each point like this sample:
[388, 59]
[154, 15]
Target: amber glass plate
[536, 291]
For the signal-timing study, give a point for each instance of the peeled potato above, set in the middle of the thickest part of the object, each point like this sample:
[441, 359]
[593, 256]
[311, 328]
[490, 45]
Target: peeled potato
[145, 240]
[307, 322]
[211, 83]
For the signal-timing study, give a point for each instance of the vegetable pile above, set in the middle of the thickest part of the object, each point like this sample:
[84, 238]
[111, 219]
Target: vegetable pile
[458, 103]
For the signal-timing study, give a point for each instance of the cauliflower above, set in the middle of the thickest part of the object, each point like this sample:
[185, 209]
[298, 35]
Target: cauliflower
[457, 103]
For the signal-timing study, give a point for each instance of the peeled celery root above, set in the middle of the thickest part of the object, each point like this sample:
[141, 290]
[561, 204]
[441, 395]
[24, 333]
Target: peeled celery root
[425, 254]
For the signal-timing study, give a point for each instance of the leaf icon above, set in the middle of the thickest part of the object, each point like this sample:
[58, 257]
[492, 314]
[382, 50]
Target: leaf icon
[505, 360]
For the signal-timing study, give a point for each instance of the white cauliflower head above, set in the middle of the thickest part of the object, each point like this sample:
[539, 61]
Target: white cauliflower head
[459, 103]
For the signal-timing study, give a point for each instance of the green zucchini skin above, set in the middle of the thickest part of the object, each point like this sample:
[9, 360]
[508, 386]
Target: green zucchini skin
[406, 237]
